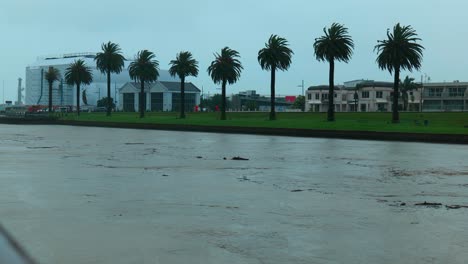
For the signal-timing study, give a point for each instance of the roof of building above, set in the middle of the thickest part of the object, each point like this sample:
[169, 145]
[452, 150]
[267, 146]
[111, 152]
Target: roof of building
[169, 86]
[175, 86]
[324, 87]
[455, 83]
[374, 84]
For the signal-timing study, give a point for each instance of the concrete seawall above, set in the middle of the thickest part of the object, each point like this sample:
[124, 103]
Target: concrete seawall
[292, 132]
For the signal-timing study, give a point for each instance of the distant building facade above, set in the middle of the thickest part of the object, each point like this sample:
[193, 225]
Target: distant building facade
[159, 96]
[37, 91]
[359, 96]
[251, 101]
[451, 96]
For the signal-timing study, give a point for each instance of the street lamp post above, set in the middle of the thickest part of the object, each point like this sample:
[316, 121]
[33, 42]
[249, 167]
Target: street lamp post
[302, 85]
[201, 99]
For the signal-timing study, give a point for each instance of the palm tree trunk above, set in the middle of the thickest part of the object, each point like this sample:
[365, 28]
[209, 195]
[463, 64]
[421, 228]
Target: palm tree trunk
[272, 99]
[50, 97]
[182, 97]
[395, 114]
[78, 98]
[223, 101]
[331, 93]
[109, 104]
[405, 101]
[142, 102]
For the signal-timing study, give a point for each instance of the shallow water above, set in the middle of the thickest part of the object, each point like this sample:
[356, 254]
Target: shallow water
[101, 195]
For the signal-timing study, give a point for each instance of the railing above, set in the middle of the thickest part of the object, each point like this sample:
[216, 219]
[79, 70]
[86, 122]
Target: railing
[453, 95]
[432, 95]
[446, 94]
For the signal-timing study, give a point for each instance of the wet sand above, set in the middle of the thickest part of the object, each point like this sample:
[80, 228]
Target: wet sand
[102, 195]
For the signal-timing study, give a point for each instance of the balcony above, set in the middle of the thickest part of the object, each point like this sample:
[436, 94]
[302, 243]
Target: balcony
[453, 95]
[445, 95]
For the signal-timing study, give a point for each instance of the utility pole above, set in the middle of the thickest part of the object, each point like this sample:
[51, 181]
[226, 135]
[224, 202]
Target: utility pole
[201, 100]
[421, 95]
[115, 95]
[302, 87]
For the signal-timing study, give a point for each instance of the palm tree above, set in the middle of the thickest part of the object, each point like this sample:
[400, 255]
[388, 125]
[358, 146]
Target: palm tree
[110, 60]
[184, 65]
[400, 51]
[51, 76]
[145, 68]
[407, 85]
[275, 56]
[226, 68]
[336, 44]
[76, 74]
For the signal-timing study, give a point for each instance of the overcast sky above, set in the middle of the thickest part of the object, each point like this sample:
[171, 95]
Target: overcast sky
[32, 28]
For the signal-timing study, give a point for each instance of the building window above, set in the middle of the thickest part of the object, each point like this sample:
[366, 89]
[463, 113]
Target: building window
[379, 94]
[189, 102]
[450, 105]
[363, 107]
[435, 92]
[317, 96]
[343, 97]
[365, 94]
[309, 96]
[325, 96]
[157, 101]
[129, 102]
[453, 92]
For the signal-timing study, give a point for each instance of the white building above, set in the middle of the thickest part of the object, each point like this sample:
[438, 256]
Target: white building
[359, 96]
[159, 96]
[37, 88]
[447, 96]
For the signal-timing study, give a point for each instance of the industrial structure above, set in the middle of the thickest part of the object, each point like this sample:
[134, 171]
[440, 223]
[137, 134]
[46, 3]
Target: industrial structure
[20, 93]
[64, 95]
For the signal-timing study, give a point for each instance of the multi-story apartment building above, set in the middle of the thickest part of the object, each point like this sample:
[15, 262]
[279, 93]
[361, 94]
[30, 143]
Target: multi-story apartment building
[359, 96]
[445, 96]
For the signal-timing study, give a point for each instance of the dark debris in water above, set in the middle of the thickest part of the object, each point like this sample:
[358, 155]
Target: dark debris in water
[297, 190]
[456, 206]
[239, 158]
[428, 204]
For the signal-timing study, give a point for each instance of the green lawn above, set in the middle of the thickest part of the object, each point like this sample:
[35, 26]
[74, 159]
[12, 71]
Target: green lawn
[449, 123]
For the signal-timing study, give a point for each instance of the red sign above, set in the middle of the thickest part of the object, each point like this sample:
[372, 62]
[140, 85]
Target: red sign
[290, 98]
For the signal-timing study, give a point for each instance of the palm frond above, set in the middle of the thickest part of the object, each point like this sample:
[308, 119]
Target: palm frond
[335, 44]
[145, 68]
[184, 65]
[78, 73]
[400, 50]
[276, 54]
[226, 66]
[52, 74]
[110, 59]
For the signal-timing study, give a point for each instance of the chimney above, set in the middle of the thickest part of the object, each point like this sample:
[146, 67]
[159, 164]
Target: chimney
[20, 94]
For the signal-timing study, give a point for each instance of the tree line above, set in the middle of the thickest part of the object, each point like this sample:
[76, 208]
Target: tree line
[399, 51]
